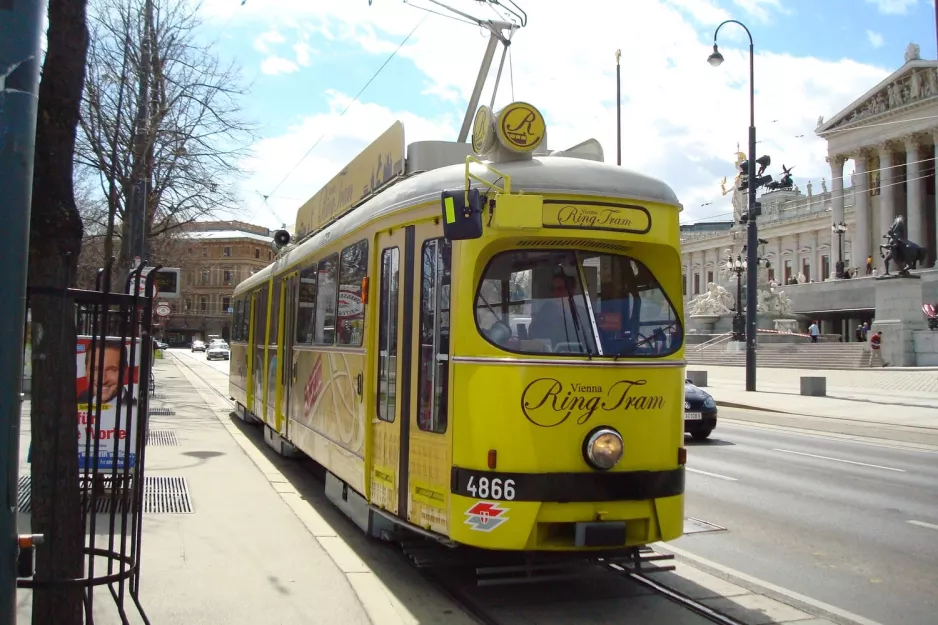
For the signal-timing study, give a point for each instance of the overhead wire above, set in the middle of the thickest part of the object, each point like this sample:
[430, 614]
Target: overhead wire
[350, 104]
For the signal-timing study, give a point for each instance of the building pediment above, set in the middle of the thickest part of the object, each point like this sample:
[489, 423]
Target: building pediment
[911, 86]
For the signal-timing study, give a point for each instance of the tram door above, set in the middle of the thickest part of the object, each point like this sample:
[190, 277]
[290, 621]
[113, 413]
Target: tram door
[286, 365]
[411, 474]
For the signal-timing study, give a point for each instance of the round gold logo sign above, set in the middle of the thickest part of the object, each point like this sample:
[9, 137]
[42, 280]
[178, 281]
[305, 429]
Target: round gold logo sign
[521, 127]
[482, 131]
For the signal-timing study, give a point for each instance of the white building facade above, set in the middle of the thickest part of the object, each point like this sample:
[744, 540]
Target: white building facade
[889, 135]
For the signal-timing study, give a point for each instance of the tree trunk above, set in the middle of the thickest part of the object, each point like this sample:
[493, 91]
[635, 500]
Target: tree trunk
[55, 243]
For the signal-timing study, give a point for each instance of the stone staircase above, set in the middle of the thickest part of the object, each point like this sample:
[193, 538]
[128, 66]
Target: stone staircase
[823, 355]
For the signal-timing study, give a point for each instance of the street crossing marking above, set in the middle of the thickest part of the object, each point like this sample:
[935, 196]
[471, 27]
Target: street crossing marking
[924, 524]
[716, 475]
[862, 464]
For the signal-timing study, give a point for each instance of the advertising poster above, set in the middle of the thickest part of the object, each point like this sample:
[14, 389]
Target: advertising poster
[114, 435]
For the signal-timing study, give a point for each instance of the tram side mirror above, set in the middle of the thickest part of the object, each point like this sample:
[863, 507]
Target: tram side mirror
[462, 220]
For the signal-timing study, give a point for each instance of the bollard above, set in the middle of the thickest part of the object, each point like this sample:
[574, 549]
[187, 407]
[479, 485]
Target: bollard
[697, 378]
[814, 387]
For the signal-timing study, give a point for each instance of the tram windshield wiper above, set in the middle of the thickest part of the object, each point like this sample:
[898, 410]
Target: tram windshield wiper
[577, 326]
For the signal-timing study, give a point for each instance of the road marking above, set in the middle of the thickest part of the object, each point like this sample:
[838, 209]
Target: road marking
[862, 464]
[835, 436]
[791, 594]
[716, 475]
[924, 524]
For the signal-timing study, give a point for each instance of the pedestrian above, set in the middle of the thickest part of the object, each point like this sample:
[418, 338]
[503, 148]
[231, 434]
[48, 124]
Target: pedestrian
[869, 264]
[858, 334]
[814, 331]
[876, 342]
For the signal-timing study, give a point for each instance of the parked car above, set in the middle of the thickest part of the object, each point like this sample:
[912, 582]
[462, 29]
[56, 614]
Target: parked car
[700, 411]
[161, 345]
[198, 346]
[217, 350]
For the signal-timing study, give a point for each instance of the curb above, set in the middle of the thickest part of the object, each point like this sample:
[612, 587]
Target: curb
[729, 404]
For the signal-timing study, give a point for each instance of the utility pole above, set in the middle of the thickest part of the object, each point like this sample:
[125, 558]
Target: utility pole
[142, 144]
[618, 108]
[20, 35]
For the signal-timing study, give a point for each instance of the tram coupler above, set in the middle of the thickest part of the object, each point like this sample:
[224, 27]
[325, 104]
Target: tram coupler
[25, 557]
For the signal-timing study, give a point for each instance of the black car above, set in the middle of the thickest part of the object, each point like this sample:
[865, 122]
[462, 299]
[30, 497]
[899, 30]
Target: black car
[700, 411]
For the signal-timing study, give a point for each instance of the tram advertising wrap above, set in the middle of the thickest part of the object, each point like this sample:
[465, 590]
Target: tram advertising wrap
[113, 433]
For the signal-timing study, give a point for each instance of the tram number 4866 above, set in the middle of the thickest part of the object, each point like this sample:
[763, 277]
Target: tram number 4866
[491, 489]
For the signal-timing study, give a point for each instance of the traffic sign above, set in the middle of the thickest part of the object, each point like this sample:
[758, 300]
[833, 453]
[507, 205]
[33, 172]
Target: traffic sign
[163, 310]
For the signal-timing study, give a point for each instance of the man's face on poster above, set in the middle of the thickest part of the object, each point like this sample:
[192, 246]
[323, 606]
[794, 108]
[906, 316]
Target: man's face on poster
[110, 378]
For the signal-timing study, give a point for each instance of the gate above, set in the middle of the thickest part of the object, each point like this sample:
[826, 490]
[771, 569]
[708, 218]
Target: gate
[115, 343]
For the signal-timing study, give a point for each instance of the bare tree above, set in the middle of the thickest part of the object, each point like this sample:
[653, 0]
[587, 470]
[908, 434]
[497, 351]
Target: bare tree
[194, 135]
[55, 243]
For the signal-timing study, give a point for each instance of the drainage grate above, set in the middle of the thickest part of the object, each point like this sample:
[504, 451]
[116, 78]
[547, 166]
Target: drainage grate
[162, 437]
[157, 395]
[166, 495]
[161, 495]
[161, 412]
[697, 526]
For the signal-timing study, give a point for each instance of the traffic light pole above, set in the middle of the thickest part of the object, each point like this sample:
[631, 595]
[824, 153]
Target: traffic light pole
[20, 35]
[752, 250]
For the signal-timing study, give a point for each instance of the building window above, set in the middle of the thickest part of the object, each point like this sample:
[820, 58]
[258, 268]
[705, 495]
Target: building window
[188, 305]
[226, 252]
[825, 265]
[696, 283]
[225, 305]
[353, 265]
[787, 274]
[203, 303]
[206, 276]
[257, 252]
[227, 276]
[433, 382]
[806, 270]
[204, 252]
[270, 255]
[683, 284]
[709, 277]
[771, 273]
[387, 334]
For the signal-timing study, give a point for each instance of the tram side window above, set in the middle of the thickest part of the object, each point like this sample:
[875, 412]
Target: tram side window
[236, 320]
[306, 314]
[326, 301]
[246, 318]
[353, 265]
[274, 312]
[387, 334]
[260, 317]
[433, 378]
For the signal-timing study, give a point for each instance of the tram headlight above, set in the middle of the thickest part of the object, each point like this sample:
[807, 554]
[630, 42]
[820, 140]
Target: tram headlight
[603, 448]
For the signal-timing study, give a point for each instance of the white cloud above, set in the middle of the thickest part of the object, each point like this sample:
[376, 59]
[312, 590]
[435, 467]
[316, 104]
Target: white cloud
[274, 65]
[876, 40]
[303, 52]
[762, 9]
[893, 7]
[271, 36]
[681, 118]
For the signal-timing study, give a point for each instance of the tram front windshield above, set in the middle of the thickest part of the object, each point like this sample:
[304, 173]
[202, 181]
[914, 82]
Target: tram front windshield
[571, 302]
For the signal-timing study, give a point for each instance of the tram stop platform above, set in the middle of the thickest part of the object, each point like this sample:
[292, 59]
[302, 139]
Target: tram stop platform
[250, 539]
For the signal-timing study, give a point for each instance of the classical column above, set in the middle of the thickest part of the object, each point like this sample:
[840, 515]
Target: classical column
[861, 211]
[887, 190]
[837, 202]
[915, 191]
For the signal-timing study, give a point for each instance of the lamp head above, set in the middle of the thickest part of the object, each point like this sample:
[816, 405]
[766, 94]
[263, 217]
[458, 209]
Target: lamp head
[715, 59]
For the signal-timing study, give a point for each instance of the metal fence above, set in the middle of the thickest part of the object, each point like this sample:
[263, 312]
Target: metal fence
[114, 352]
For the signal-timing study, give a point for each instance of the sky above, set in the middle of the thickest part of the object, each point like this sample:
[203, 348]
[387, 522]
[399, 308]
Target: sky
[681, 118]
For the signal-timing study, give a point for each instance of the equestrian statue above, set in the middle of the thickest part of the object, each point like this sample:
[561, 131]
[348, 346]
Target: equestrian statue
[906, 254]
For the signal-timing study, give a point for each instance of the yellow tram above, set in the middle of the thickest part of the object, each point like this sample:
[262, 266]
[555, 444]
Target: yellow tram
[486, 348]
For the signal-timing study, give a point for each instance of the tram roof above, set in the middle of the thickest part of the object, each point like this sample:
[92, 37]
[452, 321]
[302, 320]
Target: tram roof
[541, 175]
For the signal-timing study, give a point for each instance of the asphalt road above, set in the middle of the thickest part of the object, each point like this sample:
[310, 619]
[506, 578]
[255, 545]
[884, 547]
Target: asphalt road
[850, 524]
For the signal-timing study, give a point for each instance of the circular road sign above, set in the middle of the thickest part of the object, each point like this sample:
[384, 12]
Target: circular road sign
[163, 310]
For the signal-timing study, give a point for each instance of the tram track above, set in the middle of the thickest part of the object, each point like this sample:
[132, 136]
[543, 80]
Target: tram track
[456, 585]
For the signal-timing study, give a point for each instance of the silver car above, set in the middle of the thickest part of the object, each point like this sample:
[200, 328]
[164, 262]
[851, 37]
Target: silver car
[217, 351]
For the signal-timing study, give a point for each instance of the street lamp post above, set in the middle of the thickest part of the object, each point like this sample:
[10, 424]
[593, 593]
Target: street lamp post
[618, 108]
[738, 266]
[839, 230]
[715, 60]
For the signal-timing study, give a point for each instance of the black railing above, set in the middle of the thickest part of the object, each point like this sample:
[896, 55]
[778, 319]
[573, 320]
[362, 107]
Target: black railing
[113, 332]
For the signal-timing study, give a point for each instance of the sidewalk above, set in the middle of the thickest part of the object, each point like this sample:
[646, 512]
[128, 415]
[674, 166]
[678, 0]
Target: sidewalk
[899, 399]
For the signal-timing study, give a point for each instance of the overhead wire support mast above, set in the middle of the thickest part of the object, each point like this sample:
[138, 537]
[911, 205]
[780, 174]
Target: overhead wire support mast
[496, 30]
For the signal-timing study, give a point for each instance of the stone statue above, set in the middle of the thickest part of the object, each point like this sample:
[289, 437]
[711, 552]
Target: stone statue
[913, 52]
[783, 183]
[823, 185]
[915, 85]
[776, 302]
[893, 93]
[905, 253]
[802, 279]
[820, 122]
[713, 302]
[810, 189]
